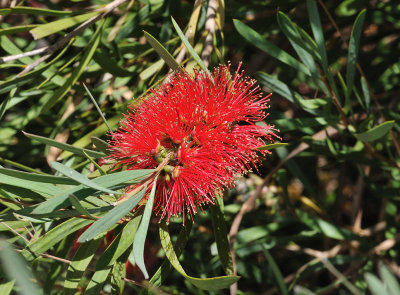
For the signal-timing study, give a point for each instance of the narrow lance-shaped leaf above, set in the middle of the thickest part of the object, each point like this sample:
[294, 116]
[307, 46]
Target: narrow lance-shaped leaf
[165, 55]
[260, 42]
[140, 237]
[15, 268]
[215, 283]
[221, 234]
[112, 217]
[64, 146]
[73, 174]
[190, 49]
[59, 25]
[354, 45]
[376, 132]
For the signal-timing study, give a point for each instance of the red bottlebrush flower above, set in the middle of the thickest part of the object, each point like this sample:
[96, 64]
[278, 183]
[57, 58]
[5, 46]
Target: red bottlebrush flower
[208, 129]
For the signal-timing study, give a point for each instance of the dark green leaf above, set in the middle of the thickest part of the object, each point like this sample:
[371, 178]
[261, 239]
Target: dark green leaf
[165, 55]
[354, 44]
[257, 40]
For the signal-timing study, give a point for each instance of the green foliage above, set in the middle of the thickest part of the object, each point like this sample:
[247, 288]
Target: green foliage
[320, 216]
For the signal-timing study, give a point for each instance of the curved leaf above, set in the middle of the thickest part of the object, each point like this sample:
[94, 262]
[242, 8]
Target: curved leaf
[376, 132]
[215, 283]
[140, 237]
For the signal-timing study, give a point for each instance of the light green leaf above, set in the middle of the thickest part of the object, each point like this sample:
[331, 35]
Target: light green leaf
[59, 25]
[16, 269]
[37, 177]
[16, 29]
[257, 40]
[221, 234]
[190, 49]
[100, 144]
[376, 132]
[375, 285]
[75, 175]
[165, 55]
[215, 283]
[354, 44]
[64, 146]
[107, 221]
[6, 288]
[78, 206]
[140, 237]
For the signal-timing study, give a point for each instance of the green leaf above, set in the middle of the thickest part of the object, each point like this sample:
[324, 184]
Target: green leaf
[38, 177]
[272, 146]
[95, 285]
[283, 90]
[61, 24]
[53, 237]
[190, 49]
[257, 40]
[33, 185]
[100, 144]
[165, 55]
[64, 146]
[366, 93]
[118, 273]
[221, 234]
[316, 28]
[277, 273]
[107, 221]
[16, 269]
[109, 180]
[389, 280]
[75, 175]
[376, 132]
[140, 237]
[6, 288]
[120, 244]
[16, 29]
[110, 65]
[79, 264]
[215, 283]
[74, 76]
[375, 285]
[78, 206]
[34, 11]
[354, 45]
[302, 48]
[326, 228]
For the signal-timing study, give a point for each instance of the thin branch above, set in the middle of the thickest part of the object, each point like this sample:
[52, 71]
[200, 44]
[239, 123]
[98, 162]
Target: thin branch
[210, 28]
[14, 231]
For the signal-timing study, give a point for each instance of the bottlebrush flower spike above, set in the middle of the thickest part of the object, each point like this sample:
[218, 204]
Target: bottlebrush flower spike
[208, 129]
